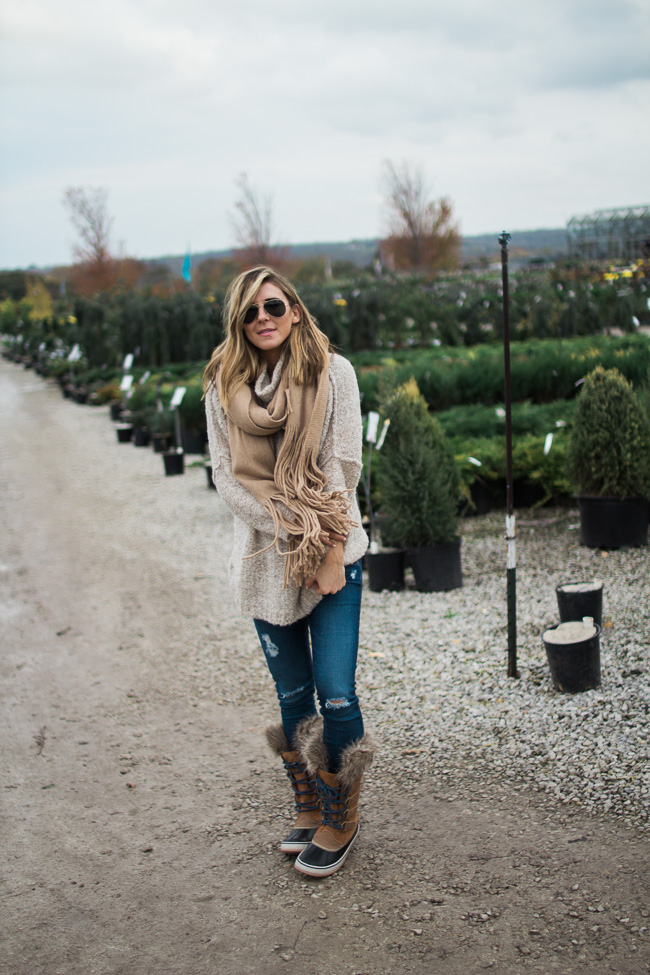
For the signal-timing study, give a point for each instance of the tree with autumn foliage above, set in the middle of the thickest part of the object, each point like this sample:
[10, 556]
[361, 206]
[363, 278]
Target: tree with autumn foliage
[422, 235]
[96, 269]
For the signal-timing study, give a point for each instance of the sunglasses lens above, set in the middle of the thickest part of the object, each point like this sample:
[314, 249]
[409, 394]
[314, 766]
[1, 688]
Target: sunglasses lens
[275, 307]
[250, 314]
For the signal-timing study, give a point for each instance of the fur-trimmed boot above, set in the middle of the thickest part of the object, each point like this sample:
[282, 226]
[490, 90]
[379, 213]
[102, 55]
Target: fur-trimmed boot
[339, 804]
[305, 795]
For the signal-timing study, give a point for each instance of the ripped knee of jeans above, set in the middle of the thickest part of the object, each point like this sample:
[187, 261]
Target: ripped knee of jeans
[269, 646]
[334, 703]
[286, 695]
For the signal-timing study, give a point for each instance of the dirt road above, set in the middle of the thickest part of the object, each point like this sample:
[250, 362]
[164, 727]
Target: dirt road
[141, 815]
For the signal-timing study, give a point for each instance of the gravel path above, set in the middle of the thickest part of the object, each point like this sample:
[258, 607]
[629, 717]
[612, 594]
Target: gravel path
[504, 825]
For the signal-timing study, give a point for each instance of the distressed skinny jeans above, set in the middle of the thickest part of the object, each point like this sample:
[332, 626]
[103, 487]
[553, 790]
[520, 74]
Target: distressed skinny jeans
[319, 653]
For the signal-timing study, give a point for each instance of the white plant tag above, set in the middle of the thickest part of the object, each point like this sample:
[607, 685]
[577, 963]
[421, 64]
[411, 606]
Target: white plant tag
[177, 398]
[371, 431]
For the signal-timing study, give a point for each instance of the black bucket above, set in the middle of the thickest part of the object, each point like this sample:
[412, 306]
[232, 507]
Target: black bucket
[574, 603]
[613, 522]
[141, 437]
[161, 442]
[385, 570]
[436, 568]
[574, 666]
[124, 434]
[174, 462]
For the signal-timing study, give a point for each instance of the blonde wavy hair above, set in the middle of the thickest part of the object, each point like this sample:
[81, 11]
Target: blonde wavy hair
[235, 361]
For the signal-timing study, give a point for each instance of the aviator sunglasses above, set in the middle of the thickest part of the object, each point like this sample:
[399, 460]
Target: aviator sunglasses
[274, 307]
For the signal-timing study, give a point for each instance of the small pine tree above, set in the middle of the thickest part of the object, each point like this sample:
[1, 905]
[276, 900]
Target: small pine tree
[609, 453]
[417, 477]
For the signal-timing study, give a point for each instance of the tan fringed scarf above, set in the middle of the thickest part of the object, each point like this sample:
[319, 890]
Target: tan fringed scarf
[294, 479]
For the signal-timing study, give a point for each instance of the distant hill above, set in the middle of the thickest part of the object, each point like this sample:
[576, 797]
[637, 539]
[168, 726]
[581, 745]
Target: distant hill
[525, 245]
[359, 252]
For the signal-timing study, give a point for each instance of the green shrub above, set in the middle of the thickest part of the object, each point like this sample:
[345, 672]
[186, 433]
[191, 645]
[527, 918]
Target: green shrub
[489, 421]
[417, 476]
[609, 452]
[530, 465]
[541, 370]
[192, 408]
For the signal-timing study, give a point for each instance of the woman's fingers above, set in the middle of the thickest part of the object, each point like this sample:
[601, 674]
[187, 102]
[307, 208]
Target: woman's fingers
[331, 539]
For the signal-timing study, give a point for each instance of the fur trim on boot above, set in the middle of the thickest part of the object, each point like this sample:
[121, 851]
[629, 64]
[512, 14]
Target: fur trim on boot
[277, 739]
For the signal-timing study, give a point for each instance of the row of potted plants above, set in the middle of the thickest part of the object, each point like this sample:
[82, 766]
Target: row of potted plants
[418, 482]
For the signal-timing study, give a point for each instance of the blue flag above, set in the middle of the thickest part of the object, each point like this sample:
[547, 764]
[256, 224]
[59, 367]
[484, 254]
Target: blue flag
[187, 273]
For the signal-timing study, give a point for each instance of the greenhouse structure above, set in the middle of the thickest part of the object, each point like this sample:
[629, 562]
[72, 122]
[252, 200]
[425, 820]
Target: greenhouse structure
[621, 234]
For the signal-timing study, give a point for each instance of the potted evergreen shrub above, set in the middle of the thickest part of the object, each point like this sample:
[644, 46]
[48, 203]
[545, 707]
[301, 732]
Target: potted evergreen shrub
[192, 417]
[419, 487]
[608, 462]
[142, 408]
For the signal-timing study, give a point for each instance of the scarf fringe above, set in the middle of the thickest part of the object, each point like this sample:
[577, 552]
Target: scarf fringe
[305, 548]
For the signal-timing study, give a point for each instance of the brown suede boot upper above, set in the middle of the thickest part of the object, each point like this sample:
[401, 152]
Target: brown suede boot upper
[340, 819]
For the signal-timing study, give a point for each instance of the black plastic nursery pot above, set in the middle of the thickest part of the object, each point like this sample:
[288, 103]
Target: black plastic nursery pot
[124, 434]
[578, 599]
[574, 664]
[141, 437]
[161, 442]
[174, 462]
[481, 498]
[193, 443]
[385, 570]
[208, 474]
[116, 410]
[436, 568]
[608, 522]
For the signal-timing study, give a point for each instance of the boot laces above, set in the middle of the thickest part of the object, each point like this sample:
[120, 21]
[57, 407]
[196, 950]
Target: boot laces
[304, 800]
[330, 797]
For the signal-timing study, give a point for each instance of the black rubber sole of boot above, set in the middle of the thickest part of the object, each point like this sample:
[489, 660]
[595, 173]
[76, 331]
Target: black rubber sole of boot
[297, 840]
[315, 862]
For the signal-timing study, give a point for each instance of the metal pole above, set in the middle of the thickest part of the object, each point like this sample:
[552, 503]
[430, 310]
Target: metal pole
[371, 514]
[510, 515]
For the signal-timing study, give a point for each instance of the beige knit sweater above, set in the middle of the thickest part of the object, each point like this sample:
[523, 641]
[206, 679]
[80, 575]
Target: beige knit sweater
[258, 582]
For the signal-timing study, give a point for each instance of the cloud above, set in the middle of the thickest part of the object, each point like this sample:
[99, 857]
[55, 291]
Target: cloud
[512, 110]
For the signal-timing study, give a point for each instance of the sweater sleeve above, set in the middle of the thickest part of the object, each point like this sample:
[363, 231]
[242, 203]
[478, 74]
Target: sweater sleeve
[340, 458]
[241, 502]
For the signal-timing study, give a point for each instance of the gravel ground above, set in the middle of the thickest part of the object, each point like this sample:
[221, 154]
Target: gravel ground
[435, 666]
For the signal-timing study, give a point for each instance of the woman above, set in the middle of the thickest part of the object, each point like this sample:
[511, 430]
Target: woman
[284, 426]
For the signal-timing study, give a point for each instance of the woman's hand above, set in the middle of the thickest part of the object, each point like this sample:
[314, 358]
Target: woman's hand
[330, 574]
[329, 539]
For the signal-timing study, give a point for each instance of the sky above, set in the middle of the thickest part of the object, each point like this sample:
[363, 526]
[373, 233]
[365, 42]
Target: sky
[522, 113]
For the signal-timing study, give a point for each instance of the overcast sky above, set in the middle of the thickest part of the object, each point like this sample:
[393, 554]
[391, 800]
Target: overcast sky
[523, 113]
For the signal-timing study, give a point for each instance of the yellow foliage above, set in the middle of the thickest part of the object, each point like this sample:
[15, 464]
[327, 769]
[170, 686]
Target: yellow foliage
[39, 299]
[411, 389]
